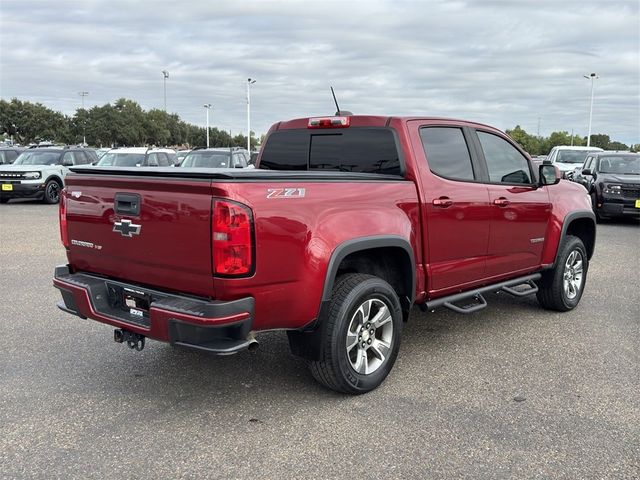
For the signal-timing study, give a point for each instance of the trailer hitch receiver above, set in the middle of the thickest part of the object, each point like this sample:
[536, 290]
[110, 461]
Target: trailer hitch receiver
[134, 341]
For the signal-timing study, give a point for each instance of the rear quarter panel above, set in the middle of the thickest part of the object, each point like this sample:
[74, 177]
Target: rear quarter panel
[295, 238]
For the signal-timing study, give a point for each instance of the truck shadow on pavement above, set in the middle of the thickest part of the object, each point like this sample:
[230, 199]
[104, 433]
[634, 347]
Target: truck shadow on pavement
[172, 375]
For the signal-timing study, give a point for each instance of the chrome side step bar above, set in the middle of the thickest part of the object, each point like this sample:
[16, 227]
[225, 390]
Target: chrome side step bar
[478, 301]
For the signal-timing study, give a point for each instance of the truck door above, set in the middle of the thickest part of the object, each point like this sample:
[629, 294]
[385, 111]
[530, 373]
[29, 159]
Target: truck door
[455, 206]
[520, 208]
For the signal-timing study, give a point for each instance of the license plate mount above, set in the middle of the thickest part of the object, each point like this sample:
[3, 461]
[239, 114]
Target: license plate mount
[136, 302]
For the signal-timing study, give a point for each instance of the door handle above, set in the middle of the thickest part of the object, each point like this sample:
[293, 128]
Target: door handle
[442, 202]
[501, 202]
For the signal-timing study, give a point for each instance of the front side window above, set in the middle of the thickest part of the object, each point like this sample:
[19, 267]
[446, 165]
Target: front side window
[447, 152]
[505, 163]
[588, 163]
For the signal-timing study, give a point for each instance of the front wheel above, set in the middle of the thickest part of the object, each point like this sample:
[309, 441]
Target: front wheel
[52, 192]
[561, 288]
[361, 335]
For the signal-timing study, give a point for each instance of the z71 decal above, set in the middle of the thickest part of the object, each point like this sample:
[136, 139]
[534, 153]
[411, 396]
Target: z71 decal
[285, 192]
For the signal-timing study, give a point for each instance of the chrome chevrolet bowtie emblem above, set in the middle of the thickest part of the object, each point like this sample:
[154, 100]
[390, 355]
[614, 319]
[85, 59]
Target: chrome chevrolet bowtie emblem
[126, 228]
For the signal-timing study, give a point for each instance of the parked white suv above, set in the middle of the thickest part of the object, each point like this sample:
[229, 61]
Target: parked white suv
[39, 172]
[567, 158]
[138, 157]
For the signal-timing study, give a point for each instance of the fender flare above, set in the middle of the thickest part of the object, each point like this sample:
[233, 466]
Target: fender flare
[366, 243]
[306, 341]
[570, 217]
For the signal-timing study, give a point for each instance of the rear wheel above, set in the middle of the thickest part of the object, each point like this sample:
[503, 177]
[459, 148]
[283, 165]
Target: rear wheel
[361, 335]
[560, 289]
[52, 192]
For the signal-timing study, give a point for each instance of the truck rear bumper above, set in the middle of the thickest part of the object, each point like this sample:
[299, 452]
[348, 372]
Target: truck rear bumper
[217, 327]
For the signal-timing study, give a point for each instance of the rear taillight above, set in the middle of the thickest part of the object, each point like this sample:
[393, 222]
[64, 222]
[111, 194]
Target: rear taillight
[232, 233]
[64, 234]
[329, 122]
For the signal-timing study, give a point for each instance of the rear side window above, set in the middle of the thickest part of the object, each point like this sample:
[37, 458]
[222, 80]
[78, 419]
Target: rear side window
[363, 150]
[504, 162]
[447, 152]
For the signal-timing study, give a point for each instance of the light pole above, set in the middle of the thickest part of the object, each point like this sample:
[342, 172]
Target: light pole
[593, 77]
[84, 120]
[208, 106]
[165, 75]
[249, 83]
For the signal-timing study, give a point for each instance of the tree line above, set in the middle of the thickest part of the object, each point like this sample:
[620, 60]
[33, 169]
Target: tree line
[123, 123]
[537, 145]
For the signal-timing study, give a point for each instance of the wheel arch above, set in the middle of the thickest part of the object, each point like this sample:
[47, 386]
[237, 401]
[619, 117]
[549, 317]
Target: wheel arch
[581, 224]
[388, 257]
[55, 177]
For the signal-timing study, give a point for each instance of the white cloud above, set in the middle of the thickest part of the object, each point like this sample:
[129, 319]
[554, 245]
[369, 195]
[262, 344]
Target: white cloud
[499, 62]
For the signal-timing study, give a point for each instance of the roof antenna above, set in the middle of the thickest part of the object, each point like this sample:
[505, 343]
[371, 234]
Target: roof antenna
[338, 111]
[336, 101]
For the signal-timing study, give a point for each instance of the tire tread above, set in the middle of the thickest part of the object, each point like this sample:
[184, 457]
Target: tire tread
[550, 288]
[324, 370]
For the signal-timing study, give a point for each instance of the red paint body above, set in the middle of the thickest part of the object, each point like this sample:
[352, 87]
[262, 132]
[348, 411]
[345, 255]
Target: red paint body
[469, 243]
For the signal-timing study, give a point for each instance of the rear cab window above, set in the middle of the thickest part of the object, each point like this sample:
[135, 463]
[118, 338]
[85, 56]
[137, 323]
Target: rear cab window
[359, 149]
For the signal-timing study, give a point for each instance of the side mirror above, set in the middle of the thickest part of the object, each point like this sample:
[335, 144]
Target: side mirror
[586, 171]
[549, 175]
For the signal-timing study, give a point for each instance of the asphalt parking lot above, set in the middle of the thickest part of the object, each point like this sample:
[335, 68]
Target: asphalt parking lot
[510, 392]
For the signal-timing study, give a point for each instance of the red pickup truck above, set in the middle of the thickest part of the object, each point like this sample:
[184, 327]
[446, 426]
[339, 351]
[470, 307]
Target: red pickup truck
[345, 224]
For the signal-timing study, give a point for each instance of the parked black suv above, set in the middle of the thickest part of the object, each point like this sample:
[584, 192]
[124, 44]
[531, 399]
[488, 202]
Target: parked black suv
[613, 181]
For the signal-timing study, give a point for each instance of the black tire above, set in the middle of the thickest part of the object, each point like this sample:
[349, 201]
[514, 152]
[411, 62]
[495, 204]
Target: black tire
[552, 294]
[4, 200]
[334, 369]
[599, 218]
[52, 191]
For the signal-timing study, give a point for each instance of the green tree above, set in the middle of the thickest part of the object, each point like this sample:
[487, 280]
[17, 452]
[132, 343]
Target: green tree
[600, 140]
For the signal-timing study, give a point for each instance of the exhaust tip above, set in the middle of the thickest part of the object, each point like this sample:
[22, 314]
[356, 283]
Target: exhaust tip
[253, 345]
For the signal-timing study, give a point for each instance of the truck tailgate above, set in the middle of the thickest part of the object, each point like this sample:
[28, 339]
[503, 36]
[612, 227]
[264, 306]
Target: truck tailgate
[154, 231]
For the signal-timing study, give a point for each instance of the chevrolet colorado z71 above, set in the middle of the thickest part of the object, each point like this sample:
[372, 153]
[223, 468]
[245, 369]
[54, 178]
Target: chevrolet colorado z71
[346, 222]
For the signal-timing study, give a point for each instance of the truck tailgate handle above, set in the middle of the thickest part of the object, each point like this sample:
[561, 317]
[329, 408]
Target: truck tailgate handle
[442, 202]
[501, 202]
[127, 204]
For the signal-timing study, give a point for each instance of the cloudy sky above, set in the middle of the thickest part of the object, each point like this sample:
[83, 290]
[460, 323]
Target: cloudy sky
[498, 62]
